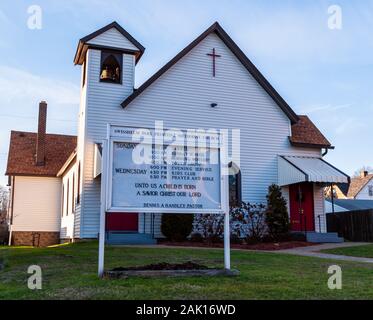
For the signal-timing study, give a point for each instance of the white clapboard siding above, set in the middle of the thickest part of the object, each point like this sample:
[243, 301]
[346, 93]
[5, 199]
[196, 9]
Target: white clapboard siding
[37, 204]
[113, 38]
[68, 217]
[81, 150]
[319, 208]
[286, 195]
[364, 193]
[182, 98]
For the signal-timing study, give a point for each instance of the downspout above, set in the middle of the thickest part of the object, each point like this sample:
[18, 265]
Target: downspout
[325, 153]
[332, 188]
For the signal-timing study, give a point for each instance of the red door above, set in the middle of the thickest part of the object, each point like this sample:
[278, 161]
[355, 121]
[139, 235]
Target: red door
[302, 217]
[126, 222]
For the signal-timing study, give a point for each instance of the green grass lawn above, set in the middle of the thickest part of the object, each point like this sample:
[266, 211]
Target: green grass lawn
[69, 272]
[360, 251]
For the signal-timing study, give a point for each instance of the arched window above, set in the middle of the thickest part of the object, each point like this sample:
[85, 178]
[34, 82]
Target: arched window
[235, 193]
[73, 195]
[63, 200]
[111, 67]
[67, 197]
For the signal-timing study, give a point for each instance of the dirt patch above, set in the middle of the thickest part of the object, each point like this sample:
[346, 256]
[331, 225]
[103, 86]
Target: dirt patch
[125, 273]
[270, 246]
[164, 266]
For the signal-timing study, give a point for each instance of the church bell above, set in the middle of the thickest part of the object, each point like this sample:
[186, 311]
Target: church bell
[107, 74]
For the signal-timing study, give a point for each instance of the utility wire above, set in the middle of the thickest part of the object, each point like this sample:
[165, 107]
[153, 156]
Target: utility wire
[34, 118]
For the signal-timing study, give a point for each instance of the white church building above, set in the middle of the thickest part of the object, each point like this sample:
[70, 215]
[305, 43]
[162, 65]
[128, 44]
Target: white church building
[55, 179]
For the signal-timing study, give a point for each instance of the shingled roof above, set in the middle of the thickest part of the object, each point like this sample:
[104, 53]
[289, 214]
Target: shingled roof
[305, 133]
[357, 184]
[21, 158]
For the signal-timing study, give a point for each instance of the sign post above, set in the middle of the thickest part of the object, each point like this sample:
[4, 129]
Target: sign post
[101, 246]
[227, 243]
[158, 171]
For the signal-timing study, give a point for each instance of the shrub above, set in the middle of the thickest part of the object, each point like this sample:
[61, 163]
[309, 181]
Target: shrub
[235, 239]
[248, 221]
[177, 227]
[277, 217]
[196, 238]
[210, 226]
[4, 234]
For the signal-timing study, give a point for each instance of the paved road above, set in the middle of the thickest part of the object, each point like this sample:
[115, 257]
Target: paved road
[314, 251]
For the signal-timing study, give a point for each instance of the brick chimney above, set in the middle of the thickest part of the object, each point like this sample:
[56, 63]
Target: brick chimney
[363, 174]
[42, 127]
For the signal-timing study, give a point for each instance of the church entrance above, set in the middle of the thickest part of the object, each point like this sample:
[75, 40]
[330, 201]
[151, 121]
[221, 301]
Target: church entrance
[302, 216]
[122, 222]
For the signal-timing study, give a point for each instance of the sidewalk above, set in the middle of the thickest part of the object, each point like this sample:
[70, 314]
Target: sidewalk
[314, 251]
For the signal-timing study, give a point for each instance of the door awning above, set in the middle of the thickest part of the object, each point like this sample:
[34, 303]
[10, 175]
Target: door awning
[292, 170]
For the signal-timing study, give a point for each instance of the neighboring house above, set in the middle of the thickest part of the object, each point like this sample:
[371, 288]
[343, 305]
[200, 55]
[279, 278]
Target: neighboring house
[277, 145]
[340, 191]
[361, 188]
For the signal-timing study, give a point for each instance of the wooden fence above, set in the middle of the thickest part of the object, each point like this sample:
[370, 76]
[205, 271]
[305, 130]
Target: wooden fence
[353, 225]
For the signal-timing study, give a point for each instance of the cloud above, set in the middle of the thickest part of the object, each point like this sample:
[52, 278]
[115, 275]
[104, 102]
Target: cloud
[6, 24]
[348, 125]
[19, 86]
[301, 33]
[339, 120]
[20, 93]
[323, 108]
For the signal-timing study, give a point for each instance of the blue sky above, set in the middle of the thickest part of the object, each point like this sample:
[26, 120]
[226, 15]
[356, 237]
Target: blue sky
[326, 74]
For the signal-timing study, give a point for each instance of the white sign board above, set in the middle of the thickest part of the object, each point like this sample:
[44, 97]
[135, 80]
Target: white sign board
[175, 177]
[164, 171]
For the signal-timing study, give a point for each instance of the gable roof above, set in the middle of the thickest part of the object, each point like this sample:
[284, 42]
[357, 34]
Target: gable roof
[358, 184]
[216, 28]
[306, 134]
[83, 46]
[21, 158]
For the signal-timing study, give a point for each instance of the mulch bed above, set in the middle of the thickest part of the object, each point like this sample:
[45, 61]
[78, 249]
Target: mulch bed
[259, 246]
[165, 266]
[189, 269]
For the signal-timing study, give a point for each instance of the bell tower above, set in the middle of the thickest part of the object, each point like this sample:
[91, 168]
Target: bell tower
[113, 42]
[108, 58]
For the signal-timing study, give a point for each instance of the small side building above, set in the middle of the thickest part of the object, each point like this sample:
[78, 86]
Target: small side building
[359, 188]
[35, 159]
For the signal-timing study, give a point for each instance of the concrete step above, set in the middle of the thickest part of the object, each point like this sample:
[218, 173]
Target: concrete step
[125, 238]
[315, 237]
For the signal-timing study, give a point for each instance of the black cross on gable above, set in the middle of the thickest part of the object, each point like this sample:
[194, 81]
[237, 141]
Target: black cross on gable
[214, 56]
